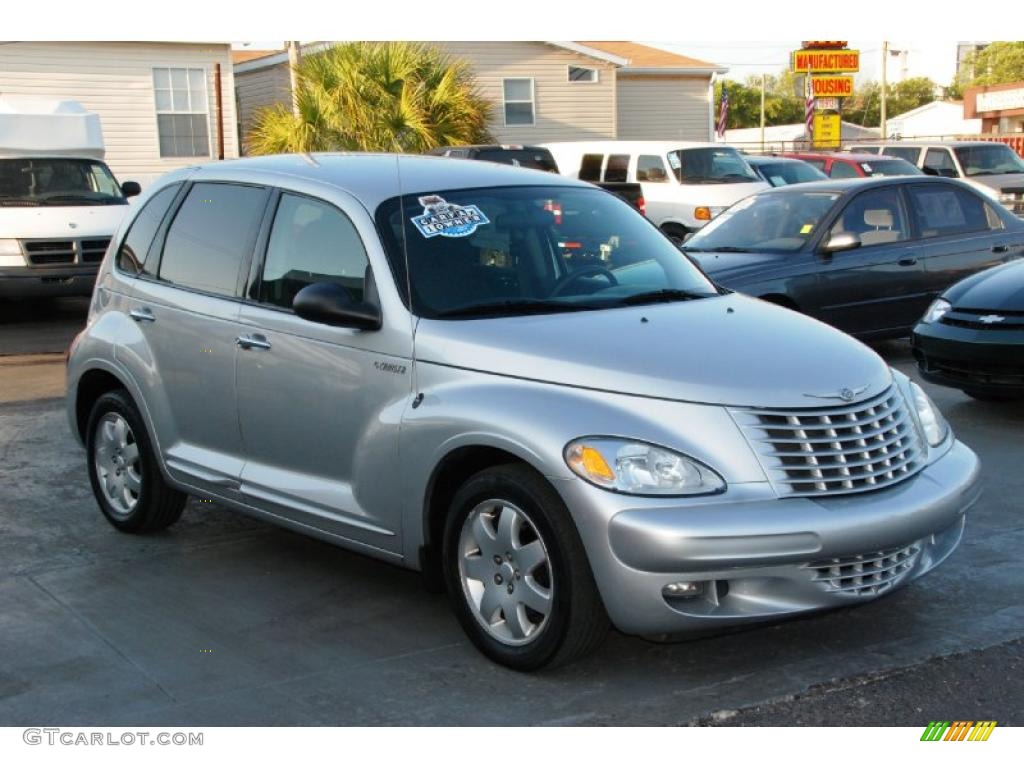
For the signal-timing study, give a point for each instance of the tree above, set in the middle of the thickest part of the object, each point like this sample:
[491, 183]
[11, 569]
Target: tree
[865, 106]
[376, 96]
[1001, 62]
[781, 106]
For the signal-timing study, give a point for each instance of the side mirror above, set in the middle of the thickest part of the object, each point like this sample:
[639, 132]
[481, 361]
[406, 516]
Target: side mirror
[844, 241]
[130, 188]
[330, 304]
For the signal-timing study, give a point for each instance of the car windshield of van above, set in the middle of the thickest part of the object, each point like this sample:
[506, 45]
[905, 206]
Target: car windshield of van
[501, 251]
[890, 166]
[775, 222]
[57, 181]
[710, 165]
[990, 160]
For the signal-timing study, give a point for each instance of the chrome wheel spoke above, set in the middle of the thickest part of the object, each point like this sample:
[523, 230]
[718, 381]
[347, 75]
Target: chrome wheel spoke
[479, 568]
[484, 536]
[508, 529]
[489, 604]
[121, 432]
[534, 596]
[133, 482]
[131, 453]
[115, 456]
[515, 619]
[530, 556]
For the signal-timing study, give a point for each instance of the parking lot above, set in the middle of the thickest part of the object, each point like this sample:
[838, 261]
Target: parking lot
[223, 620]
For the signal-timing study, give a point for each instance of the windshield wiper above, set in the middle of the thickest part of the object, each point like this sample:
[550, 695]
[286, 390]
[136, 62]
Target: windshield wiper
[80, 196]
[725, 249]
[663, 295]
[514, 307]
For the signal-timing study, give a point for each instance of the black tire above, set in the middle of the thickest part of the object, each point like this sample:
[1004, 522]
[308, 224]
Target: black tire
[992, 397]
[158, 505]
[675, 232]
[577, 623]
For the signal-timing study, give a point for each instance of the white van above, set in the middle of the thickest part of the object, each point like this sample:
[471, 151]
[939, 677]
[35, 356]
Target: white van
[685, 184]
[59, 202]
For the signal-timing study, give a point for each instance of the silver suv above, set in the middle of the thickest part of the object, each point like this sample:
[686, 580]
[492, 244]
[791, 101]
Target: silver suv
[510, 381]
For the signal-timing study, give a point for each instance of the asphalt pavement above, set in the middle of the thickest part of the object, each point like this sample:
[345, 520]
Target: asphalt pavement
[223, 620]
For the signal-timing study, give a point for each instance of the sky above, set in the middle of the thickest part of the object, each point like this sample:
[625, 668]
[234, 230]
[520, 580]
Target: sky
[934, 59]
[925, 58]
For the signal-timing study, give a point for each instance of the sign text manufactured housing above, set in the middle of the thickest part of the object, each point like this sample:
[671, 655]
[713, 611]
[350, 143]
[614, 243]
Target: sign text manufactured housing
[826, 61]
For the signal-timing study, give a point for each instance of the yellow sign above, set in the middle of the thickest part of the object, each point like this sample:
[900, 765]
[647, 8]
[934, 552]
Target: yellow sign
[809, 60]
[827, 131]
[832, 85]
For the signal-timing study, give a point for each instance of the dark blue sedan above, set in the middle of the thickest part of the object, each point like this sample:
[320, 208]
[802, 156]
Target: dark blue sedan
[865, 255]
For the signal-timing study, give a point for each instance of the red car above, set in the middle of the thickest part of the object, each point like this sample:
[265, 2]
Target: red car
[850, 165]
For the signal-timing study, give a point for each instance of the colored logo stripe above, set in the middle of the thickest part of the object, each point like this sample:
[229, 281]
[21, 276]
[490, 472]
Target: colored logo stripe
[959, 730]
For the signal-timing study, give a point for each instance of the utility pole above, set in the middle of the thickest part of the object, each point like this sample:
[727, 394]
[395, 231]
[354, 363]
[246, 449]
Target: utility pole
[885, 61]
[294, 58]
[762, 111]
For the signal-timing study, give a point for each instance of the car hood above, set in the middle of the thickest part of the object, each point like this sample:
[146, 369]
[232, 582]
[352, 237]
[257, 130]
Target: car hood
[53, 221]
[728, 350]
[999, 181]
[1001, 287]
[723, 266]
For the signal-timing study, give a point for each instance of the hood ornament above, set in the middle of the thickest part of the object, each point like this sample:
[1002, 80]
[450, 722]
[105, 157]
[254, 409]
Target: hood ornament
[846, 394]
[989, 319]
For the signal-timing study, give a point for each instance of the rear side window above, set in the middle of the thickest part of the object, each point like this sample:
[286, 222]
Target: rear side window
[618, 165]
[590, 167]
[910, 154]
[540, 159]
[942, 209]
[842, 171]
[651, 168]
[311, 242]
[132, 255]
[940, 162]
[211, 235]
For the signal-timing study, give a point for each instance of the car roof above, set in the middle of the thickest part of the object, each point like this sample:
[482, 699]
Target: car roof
[515, 147]
[374, 177]
[854, 157]
[651, 147]
[758, 159]
[848, 185]
[917, 144]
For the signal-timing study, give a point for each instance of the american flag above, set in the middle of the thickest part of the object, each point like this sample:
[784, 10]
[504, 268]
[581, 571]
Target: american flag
[723, 112]
[809, 106]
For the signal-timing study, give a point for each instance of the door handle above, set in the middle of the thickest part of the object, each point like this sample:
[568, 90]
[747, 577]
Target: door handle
[143, 315]
[1000, 248]
[256, 341]
[907, 261]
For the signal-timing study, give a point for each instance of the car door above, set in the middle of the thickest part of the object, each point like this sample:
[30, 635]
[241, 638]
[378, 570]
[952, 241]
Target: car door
[319, 406]
[187, 317]
[959, 234]
[875, 288]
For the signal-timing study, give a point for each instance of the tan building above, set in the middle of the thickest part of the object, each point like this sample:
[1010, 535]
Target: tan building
[157, 102]
[549, 91]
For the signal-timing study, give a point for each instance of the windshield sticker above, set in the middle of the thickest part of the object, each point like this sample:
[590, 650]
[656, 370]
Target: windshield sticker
[866, 167]
[806, 228]
[673, 160]
[440, 217]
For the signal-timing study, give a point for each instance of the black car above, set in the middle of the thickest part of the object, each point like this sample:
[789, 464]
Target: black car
[865, 255]
[972, 337]
[782, 171]
[538, 158]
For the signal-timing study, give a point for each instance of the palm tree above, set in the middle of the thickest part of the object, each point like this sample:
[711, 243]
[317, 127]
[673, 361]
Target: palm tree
[376, 96]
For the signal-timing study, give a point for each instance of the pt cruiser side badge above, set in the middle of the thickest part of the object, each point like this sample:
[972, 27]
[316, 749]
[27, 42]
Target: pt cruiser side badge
[846, 394]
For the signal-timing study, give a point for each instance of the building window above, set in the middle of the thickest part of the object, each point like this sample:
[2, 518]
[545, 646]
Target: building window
[182, 116]
[582, 74]
[518, 92]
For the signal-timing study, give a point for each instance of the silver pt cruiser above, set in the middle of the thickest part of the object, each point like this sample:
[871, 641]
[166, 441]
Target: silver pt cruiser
[508, 380]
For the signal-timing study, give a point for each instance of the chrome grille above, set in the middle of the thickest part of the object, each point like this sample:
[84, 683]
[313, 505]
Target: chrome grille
[869, 574]
[50, 251]
[93, 250]
[838, 450]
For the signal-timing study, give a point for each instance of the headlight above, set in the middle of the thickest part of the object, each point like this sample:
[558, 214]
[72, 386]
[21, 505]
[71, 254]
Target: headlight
[639, 469]
[936, 311]
[10, 254]
[934, 425]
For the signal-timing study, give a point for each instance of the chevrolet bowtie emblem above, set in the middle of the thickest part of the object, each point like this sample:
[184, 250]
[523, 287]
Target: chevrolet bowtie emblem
[845, 394]
[989, 319]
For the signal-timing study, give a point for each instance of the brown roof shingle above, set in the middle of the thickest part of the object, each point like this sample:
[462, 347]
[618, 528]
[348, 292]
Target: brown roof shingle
[239, 57]
[644, 56]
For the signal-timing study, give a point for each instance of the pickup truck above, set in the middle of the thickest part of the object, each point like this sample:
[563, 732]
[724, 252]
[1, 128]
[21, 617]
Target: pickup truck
[541, 159]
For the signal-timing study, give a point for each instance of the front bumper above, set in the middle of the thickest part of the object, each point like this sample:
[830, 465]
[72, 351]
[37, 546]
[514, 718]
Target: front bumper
[764, 559]
[984, 361]
[31, 282]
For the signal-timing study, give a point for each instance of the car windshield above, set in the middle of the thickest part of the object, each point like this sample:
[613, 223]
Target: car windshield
[528, 250]
[772, 221]
[710, 165]
[540, 159]
[890, 166]
[57, 181]
[779, 174]
[989, 160]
